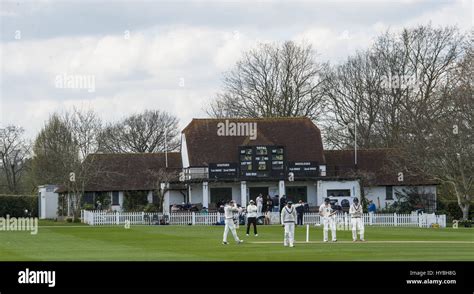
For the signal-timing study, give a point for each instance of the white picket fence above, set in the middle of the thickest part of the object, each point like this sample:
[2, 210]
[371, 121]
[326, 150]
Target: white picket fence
[385, 219]
[97, 218]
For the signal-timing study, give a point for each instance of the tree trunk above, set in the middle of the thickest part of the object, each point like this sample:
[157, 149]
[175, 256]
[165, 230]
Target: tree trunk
[465, 210]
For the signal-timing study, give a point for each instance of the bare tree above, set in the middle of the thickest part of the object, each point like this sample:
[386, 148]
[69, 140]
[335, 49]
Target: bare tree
[85, 126]
[61, 153]
[143, 132]
[272, 81]
[354, 87]
[446, 149]
[407, 92]
[14, 151]
[162, 179]
[392, 89]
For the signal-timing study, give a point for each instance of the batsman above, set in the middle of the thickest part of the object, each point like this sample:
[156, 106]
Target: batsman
[327, 213]
[357, 222]
[229, 210]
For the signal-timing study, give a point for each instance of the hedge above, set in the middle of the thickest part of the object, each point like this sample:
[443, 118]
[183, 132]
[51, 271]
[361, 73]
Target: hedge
[452, 210]
[15, 206]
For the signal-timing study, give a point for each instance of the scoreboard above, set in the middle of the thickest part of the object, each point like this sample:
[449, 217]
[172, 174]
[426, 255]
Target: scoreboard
[223, 170]
[262, 161]
[304, 168]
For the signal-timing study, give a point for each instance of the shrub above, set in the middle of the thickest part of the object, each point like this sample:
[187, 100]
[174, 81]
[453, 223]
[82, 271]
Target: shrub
[69, 219]
[88, 206]
[150, 207]
[135, 200]
[452, 210]
[15, 206]
[465, 223]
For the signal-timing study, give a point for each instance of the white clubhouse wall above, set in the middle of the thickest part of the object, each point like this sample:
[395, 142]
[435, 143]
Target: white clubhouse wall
[378, 195]
[316, 191]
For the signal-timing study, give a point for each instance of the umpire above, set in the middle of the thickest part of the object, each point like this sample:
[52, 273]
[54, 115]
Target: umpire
[300, 212]
[252, 217]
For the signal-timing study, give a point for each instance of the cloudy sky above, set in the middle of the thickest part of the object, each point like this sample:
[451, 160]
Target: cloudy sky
[136, 55]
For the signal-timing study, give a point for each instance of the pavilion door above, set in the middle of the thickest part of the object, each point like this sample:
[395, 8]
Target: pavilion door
[254, 191]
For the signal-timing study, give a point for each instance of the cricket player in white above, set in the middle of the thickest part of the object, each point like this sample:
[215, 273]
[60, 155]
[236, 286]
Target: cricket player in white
[288, 220]
[229, 210]
[259, 204]
[356, 220]
[327, 213]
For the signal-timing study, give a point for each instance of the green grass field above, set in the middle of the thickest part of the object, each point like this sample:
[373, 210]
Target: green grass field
[79, 242]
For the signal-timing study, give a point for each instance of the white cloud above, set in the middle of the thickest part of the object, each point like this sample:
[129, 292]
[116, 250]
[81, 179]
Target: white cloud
[335, 45]
[145, 71]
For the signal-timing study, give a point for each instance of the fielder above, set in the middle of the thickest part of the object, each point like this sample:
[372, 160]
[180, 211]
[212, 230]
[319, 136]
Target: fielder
[356, 220]
[288, 220]
[229, 210]
[327, 213]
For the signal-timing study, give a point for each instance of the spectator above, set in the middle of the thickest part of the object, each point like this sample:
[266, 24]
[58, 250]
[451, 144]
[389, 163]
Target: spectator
[174, 208]
[306, 207]
[372, 207]
[267, 219]
[276, 201]
[259, 204]
[204, 210]
[299, 212]
[269, 203]
[187, 206]
[282, 202]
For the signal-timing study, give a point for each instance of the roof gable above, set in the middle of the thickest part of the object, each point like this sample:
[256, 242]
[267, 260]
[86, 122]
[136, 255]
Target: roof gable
[380, 165]
[299, 136]
[130, 171]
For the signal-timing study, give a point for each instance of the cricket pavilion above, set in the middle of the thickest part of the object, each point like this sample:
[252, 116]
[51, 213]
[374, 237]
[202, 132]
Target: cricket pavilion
[223, 159]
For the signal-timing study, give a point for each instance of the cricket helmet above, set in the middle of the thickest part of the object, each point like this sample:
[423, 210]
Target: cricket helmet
[356, 200]
[327, 200]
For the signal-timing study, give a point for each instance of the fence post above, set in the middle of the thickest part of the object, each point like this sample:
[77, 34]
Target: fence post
[193, 218]
[117, 218]
[370, 218]
[143, 217]
[218, 217]
[395, 219]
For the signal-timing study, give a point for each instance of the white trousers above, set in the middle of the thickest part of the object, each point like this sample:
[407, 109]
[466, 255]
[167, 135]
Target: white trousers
[289, 234]
[229, 225]
[259, 209]
[357, 224]
[329, 222]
